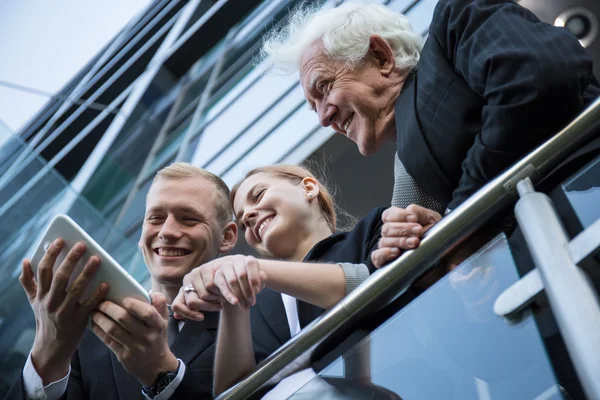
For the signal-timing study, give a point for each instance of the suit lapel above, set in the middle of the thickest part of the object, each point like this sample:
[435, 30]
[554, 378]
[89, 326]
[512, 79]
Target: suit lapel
[195, 337]
[413, 149]
[271, 307]
[128, 386]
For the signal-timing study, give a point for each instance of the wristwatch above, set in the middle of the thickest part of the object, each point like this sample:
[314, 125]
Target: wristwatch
[163, 379]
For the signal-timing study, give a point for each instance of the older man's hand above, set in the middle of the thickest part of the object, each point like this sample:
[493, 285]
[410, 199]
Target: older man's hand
[402, 230]
[234, 280]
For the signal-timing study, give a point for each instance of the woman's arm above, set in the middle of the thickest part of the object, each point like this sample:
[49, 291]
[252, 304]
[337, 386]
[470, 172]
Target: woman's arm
[323, 285]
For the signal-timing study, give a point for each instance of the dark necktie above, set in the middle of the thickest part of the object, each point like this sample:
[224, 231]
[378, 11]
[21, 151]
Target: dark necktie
[172, 328]
[407, 190]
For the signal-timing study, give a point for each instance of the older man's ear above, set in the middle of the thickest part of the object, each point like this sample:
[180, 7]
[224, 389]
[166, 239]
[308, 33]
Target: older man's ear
[382, 54]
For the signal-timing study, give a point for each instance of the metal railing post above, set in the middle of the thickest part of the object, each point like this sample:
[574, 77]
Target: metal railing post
[570, 292]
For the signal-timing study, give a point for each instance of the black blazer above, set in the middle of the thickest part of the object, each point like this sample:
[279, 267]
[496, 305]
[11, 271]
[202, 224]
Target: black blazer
[97, 374]
[492, 83]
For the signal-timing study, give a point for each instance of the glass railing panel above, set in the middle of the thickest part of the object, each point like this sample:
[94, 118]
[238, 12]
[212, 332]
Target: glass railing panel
[449, 344]
[583, 192]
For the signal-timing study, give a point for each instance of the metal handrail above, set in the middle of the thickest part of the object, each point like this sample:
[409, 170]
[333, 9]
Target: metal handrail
[389, 282]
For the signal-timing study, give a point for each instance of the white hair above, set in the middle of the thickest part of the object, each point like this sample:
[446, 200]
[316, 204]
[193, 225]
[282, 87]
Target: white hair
[345, 33]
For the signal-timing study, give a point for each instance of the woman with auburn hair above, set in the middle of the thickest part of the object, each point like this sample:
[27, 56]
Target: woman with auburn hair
[288, 217]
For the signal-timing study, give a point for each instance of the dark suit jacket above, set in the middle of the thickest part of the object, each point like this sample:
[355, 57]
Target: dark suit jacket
[492, 83]
[97, 374]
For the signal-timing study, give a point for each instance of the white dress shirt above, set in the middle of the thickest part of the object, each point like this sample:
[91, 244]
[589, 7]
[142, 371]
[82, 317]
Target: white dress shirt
[291, 312]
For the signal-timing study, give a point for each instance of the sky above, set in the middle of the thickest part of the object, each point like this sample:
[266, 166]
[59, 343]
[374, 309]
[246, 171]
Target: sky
[43, 44]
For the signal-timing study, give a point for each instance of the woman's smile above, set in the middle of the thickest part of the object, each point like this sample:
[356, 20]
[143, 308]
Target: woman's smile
[262, 226]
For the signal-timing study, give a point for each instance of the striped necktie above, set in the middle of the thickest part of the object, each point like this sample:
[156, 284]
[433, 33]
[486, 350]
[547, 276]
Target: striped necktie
[172, 328]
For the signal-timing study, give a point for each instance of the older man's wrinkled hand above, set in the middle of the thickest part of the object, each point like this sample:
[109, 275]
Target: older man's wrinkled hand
[402, 230]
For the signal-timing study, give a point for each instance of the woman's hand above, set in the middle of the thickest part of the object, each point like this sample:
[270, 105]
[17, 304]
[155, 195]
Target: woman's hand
[235, 280]
[402, 230]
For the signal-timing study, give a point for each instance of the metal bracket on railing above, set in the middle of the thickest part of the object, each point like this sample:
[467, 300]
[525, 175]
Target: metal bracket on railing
[523, 293]
[570, 293]
[528, 171]
[517, 298]
[586, 246]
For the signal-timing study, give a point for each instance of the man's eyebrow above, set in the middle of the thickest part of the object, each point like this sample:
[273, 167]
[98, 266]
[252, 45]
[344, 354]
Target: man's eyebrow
[184, 209]
[154, 209]
[313, 80]
[188, 209]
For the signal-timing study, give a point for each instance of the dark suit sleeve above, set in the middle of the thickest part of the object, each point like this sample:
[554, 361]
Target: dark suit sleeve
[531, 75]
[373, 234]
[197, 383]
[17, 390]
[74, 387]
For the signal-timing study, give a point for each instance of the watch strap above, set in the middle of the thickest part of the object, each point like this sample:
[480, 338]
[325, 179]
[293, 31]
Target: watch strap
[163, 380]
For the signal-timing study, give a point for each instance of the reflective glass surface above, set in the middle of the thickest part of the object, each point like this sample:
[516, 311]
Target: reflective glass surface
[242, 112]
[5, 134]
[120, 166]
[10, 150]
[583, 192]
[447, 344]
[135, 211]
[21, 227]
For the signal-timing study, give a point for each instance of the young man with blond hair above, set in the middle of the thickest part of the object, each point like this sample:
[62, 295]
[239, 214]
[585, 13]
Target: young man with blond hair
[134, 350]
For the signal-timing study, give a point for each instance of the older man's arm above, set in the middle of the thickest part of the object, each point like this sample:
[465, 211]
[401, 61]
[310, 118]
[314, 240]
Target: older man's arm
[531, 75]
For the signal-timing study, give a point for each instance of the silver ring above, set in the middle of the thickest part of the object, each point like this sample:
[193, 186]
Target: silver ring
[189, 288]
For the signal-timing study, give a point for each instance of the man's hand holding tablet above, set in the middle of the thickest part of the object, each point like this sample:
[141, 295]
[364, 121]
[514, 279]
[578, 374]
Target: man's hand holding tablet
[68, 276]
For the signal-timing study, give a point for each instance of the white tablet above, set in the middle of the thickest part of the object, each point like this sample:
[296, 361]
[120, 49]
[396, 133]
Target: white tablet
[121, 284]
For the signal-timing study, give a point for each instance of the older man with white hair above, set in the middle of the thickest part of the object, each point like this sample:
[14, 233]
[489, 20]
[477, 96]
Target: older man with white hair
[489, 84]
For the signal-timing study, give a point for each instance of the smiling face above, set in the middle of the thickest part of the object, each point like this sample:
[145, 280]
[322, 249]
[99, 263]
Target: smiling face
[357, 102]
[181, 230]
[278, 216]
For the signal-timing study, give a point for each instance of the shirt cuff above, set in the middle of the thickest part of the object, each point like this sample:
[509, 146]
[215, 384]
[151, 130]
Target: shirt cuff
[34, 387]
[169, 390]
[355, 275]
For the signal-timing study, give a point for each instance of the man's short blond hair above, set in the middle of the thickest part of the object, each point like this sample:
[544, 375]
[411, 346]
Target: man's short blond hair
[183, 170]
